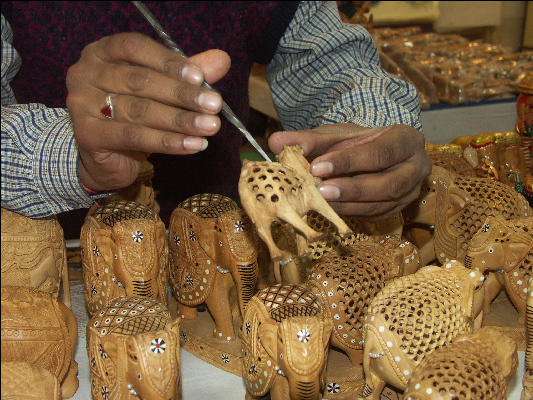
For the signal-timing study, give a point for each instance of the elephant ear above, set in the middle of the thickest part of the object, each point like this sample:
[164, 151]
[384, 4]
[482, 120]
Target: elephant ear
[192, 270]
[268, 332]
[97, 251]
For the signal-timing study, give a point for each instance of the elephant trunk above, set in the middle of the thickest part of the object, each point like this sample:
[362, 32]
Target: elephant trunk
[305, 387]
[246, 282]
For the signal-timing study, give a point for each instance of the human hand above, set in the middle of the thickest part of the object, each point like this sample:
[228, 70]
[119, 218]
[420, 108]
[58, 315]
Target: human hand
[159, 105]
[367, 172]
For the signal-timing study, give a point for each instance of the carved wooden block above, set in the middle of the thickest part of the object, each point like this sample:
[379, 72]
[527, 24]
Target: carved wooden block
[474, 366]
[21, 380]
[133, 351]
[505, 247]
[284, 191]
[213, 248]
[346, 284]
[284, 344]
[124, 253]
[415, 315]
[457, 207]
[40, 330]
[34, 254]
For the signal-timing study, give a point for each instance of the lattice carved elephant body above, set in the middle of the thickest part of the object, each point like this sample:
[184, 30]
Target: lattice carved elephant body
[474, 366]
[40, 330]
[415, 315]
[133, 351]
[457, 206]
[346, 283]
[506, 248]
[284, 192]
[21, 380]
[213, 248]
[124, 253]
[34, 254]
[284, 344]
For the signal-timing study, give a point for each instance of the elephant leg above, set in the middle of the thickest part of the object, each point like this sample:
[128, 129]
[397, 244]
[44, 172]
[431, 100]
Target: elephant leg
[290, 216]
[219, 306]
[427, 253]
[289, 272]
[492, 288]
[70, 382]
[186, 312]
[250, 396]
[280, 389]
[374, 385]
[66, 285]
[355, 356]
[265, 234]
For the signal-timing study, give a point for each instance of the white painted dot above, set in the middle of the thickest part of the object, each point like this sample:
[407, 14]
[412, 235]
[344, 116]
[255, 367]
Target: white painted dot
[104, 283]
[228, 338]
[515, 273]
[220, 334]
[406, 261]
[389, 344]
[429, 390]
[519, 282]
[447, 265]
[381, 329]
[417, 386]
[269, 363]
[406, 372]
[207, 272]
[372, 318]
[106, 270]
[397, 359]
[208, 261]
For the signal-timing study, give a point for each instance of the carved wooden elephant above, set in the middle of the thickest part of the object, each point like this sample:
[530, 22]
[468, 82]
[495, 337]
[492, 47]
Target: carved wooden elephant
[124, 253]
[285, 341]
[133, 351]
[415, 315]
[505, 247]
[346, 283]
[34, 254]
[213, 248]
[284, 191]
[40, 330]
[456, 206]
[527, 381]
[21, 380]
[474, 366]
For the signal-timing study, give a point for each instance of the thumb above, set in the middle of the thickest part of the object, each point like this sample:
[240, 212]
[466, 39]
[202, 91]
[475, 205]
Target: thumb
[214, 63]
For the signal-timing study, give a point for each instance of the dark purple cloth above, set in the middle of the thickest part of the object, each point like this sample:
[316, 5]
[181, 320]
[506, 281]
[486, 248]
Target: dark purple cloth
[50, 36]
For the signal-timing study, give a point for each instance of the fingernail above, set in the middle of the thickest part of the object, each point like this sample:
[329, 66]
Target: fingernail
[322, 168]
[195, 144]
[330, 192]
[206, 122]
[191, 74]
[210, 101]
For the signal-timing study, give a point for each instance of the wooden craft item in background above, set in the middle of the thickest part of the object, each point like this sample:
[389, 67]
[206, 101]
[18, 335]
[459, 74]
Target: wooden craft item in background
[21, 380]
[213, 249]
[457, 206]
[474, 366]
[346, 283]
[40, 330]
[452, 162]
[505, 247]
[285, 340]
[284, 191]
[527, 381]
[133, 351]
[34, 254]
[415, 315]
[124, 253]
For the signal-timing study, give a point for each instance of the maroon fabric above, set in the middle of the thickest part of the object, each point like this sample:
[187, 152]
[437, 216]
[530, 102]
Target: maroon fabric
[51, 35]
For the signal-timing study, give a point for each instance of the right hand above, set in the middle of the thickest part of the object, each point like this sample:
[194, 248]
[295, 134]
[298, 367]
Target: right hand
[159, 105]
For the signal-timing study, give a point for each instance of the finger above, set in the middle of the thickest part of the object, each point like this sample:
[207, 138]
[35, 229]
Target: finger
[118, 136]
[393, 146]
[214, 63]
[142, 111]
[146, 83]
[390, 185]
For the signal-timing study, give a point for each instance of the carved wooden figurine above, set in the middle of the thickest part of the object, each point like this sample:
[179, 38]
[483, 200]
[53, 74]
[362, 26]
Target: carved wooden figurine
[506, 248]
[284, 344]
[415, 315]
[40, 330]
[457, 206]
[212, 248]
[124, 253]
[21, 380]
[133, 351]
[284, 191]
[527, 381]
[452, 162]
[474, 366]
[346, 284]
[34, 254]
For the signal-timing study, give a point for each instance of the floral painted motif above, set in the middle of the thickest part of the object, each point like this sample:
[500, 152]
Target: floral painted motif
[303, 335]
[96, 252]
[137, 236]
[252, 370]
[158, 346]
[189, 280]
[177, 241]
[93, 290]
[333, 387]
[105, 393]
[248, 328]
[225, 358]
[239, 226]
[103, 354]
[193, 236]
[183, 336]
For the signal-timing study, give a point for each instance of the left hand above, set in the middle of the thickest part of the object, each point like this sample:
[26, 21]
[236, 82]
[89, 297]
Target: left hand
[366, 172]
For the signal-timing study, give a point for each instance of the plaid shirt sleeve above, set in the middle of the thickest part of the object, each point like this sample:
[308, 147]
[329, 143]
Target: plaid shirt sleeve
[325, 71]
[39, 153]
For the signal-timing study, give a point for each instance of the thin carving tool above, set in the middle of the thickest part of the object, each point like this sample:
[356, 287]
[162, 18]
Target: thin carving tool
[226, 110]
